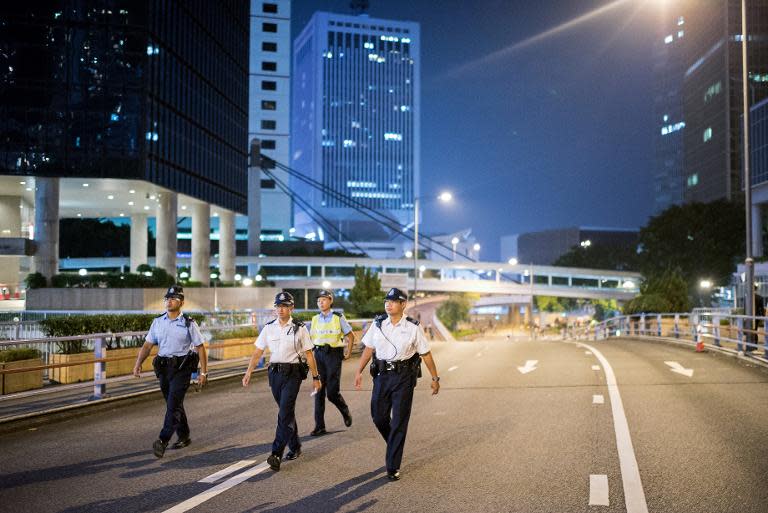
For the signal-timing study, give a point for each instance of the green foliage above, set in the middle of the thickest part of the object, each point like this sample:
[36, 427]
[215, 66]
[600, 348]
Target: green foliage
[663, 293]
[701, 240]
[549, 304]
[35, 281]
[459, 334]
[303, 316]
[366, 297]
[159, 278]
[15, 355]
[83, 238]
[453, 311]
[235, 333]
[602, 256]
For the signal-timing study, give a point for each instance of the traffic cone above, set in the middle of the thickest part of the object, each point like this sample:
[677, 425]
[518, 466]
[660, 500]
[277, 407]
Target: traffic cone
[699, 345]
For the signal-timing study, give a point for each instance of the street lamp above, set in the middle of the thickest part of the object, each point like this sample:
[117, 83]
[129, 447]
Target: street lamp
[454, 243]
[512, 261]
[704, 287]
[749, 263]
[476, 247]
[445, 197]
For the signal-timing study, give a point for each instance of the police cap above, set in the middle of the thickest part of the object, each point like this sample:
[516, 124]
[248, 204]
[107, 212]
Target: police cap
[284, 298]
[175, 291]
[396, 294]
[325, 293]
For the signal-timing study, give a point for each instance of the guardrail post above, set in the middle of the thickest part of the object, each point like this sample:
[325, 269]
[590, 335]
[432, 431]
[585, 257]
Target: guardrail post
[99, 371]
[642, 324]
[658, 325]
[677, 325]
[740, 335]
[716, 329]
[765, 337]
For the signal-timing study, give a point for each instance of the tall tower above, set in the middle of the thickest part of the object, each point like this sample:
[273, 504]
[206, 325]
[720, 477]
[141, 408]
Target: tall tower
[355, 127]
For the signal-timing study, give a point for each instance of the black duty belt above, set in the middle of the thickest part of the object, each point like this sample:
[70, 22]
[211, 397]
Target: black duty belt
[284, 367]
[326, 348]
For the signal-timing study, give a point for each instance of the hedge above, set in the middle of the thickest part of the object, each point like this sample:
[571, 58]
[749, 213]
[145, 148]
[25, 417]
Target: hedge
[235, 333]
[14, 355]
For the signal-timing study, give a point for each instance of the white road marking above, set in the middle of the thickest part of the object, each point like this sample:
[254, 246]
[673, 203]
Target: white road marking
[598, 490]
[530, 366]
[595, 367]
[479, 355]
[453, 368]
[598, 399]
[676, 367]
[634, 496]
[216, 490]
[225, 472]
[587, 352]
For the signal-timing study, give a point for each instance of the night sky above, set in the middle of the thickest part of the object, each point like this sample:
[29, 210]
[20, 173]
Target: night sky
[553, 132]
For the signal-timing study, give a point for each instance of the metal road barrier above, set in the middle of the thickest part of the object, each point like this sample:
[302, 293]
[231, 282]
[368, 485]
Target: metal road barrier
[741, 334]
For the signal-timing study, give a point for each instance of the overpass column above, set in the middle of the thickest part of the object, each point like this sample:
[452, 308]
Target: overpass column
[10, 226]
[139, 241]
[757, 229]
[47, 226]
[201, 243]
[227, 247]
[167, 232]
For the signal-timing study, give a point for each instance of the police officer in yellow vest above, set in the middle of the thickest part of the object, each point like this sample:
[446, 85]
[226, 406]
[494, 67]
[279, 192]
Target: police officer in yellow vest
[333, 339]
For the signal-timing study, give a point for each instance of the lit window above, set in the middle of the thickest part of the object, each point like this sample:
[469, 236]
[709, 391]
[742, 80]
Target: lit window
[405, 108]
[680, 33]
[349, 143]
[329, 142]
[707, 134]
[666, 118]
[713, 91]
[669, 39]
[392, 136]
[356, 184]
[355, 124]
[405, 40]
[369, 46]
[693, 180]
[680, 20]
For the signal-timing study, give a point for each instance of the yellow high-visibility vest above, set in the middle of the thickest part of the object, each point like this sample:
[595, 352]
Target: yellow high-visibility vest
[327, 332]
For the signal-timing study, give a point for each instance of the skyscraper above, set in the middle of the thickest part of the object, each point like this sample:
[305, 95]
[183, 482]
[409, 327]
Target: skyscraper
[355, 128]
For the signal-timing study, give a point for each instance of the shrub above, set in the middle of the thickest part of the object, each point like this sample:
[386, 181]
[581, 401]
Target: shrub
[14, 355]
[35, 281]
[235, 333]
[648, 303]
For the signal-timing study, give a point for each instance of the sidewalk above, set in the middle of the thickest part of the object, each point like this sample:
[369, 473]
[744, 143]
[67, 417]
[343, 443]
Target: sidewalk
[53, 399]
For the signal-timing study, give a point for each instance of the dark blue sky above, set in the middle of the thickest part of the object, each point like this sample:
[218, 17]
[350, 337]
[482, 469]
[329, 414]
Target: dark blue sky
[556, 133]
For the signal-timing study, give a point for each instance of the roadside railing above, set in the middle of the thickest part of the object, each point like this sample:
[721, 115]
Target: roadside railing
[739, 333]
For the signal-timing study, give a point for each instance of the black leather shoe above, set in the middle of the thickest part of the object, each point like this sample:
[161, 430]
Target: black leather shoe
[292, 455]
[181, 443]
[274, 462]
[347, 418]
[158, 447]
[318, 432]
[393, 475]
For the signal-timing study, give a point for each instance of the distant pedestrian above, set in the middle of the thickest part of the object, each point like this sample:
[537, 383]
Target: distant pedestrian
[397, 345]
[332, 337]
[290, 361]
[180, 351]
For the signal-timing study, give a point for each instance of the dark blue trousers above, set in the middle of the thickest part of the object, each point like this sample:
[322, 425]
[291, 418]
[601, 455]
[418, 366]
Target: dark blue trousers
[329, 369]
[174, 384]
[391, 403]
[285, 388]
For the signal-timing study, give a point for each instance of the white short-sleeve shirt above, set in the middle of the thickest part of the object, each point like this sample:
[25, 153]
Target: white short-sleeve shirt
[396, 342]
[284, 342]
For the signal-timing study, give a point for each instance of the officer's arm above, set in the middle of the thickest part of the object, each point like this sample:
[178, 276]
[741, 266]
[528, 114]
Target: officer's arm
[430, 363]
[364, 359]
[203, 354]
[349, 338]
[313, 369]
[252, 365]
[143, 353]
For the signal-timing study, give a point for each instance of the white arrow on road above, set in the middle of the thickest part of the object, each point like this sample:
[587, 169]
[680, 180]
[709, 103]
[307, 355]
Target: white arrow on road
[676, 367]
[530, 365]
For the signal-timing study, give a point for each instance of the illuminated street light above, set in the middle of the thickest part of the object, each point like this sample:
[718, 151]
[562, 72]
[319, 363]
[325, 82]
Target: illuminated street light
[238, 277]
[705, 284]
[82, 272]
[183, 275]
[247, 282]
[326, 284]
[512, 261]
[445, 197]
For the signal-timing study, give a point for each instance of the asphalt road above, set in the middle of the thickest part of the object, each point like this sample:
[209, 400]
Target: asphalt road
[494, 439]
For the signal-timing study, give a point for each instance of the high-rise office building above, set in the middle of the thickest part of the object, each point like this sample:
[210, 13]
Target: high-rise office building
[355, 127]
[269, 107]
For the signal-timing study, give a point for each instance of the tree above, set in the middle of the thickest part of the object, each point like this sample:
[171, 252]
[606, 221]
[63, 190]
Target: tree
[453, 311]
[699, 240]
[664, 293]
[602, 256]
[366, 297]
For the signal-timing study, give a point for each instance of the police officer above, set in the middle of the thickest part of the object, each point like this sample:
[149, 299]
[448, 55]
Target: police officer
[180, 351]
[333, 338]
[397, 345]
[289, 345]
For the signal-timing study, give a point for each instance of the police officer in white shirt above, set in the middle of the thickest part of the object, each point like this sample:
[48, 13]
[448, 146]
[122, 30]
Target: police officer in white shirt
[397, 345]
[180, 350]
[289, 346]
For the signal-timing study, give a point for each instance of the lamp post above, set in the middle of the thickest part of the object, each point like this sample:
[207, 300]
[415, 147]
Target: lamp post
[445, 197]
[749, 263]
[454, 243]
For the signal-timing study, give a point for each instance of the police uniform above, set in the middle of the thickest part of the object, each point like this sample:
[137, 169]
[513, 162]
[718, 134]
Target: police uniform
[395, 369]
[174, 364]
[328, 332]
[287, 344]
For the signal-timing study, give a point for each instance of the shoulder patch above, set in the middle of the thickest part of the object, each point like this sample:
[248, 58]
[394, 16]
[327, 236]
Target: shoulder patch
[411, 319]
[338, 314]
[270, 322]
[298, 324]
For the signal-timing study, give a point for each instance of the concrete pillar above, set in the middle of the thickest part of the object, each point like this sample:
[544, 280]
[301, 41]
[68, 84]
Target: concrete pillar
[254, 210]
[201, 243]
[757, 229]
[139, 241]
[227, 247]
[10, 226]
[47, 226]
[167, 244]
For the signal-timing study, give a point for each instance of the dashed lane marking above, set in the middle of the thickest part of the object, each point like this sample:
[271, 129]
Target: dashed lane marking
[453, 368]
[598, 490]
[595, 367]
[587, 352]
[598, 399]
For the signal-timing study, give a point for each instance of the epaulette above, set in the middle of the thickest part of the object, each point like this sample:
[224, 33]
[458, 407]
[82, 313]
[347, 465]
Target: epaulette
[379, 319]
[411, 319]
[338, 314]
[187, 320]
[298, 323]
[270, 322]
[160, 315]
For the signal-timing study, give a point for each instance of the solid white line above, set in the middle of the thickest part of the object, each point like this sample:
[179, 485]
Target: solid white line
[598, 399]
[634, 496]
[587, 352]
[595, 367]
[225, 472]
[598, 490]
[216, 490]
[453, 368]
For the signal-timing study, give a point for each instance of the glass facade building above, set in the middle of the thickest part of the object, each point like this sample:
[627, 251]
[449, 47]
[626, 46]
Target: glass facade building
[154, 90]
[356, 108]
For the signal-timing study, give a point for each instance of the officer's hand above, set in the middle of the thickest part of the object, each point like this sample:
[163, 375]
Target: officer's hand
[358, 381]
[137, 371]
[317, 384]
[435, 387]
[202, 380]
[246, 379]
[347, 354]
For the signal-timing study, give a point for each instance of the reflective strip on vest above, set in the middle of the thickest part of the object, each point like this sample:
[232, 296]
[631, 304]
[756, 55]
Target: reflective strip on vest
[327, 332]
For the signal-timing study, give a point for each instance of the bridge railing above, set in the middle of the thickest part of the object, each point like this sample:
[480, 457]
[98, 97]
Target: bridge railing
[739, 333]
